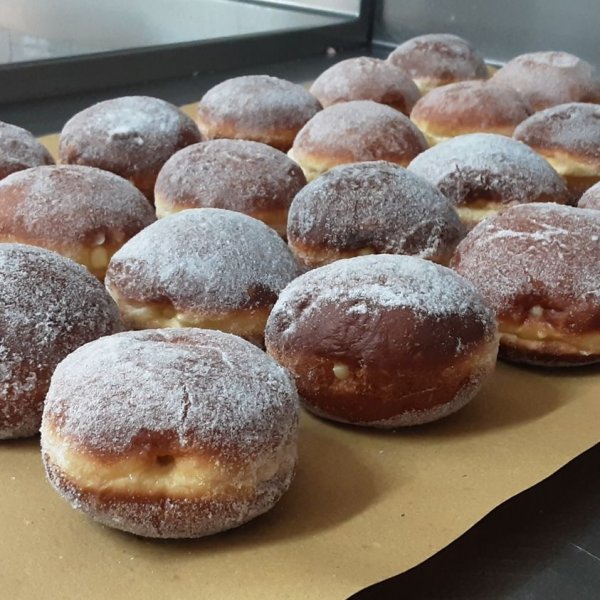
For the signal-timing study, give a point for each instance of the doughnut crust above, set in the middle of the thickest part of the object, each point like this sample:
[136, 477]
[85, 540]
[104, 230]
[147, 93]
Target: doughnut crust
[19, 150]
[383, 341]
[357, 131]
[170, 433]
[131, 136]
[568, 137]
[371, 208]
[366, 78]
[256, 107]
[83, 213]
[591, 198]
[438, 59]
[49, 306]
[203, 267]
[469, 107]
[238, 175]
[538, 266]
[484, 173]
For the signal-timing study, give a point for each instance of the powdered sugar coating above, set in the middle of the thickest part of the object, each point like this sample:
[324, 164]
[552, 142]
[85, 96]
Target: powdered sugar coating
[203, 259]
[591, 198]
[19, 149]
[495, 167]
[48, 307]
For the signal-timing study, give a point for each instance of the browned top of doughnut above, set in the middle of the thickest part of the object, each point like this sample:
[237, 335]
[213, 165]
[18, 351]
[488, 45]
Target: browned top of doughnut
[537, 255]
[130, 136]
[20, 150]
[380, 311]
[377, 205]
[203, 259]
[366, 78]
[572, 129]
[492, 167]
[548, 78]
[591, 198]
[172, 390]
[358, 131]
[440, 57]
[471, 106]
[233, 174]
[70, 204]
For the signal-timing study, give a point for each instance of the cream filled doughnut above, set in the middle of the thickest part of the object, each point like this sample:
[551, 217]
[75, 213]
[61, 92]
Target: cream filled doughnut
[357, 131]
[170, 433]
[591, 198]
[203, 267]
[239, 175]
[383, 341]
[80, 212]
[132, 136]
[49, 306]
[371, 208]
[19, 150]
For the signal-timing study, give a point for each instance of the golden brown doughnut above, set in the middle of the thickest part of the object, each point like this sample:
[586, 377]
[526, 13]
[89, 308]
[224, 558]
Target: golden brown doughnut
[484, 173]
[19, 150]
[132, 136]
[239, 175]
[538, 267]
[383, 341]
[49, 306]
[438, 59]
[469, 107]
[170, 433]
[591, 198]
[568, 137]
[256, 107]
[357, 131]
[371, 208]
[366, 78]
[545, 79]
[203, 267]
[83, 213]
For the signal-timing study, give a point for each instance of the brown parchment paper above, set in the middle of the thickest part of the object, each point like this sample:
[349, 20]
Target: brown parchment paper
[365, 505]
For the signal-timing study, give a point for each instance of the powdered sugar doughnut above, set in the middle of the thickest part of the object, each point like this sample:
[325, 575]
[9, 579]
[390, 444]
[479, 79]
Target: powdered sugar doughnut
[484, 173]
[20, 150]
[256, 107]
[83, 213]
[568, 137]
[383, 340]
[49, 306]
[170, 433]
[366, 78]
[438, 59]
[356, 131]
[371, 208]
[132, 136]
[591, 198]
[203, 267]
[239, 175]
[548, 78]
[538, 266]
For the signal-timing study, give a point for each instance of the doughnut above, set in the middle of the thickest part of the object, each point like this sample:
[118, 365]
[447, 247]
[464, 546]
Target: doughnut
[132, 136]
[591, 198]
[438, 59]
[371, 208]
[20, 150]
[383, 341]
[172, 433]
[203, 267]
[366, 78]
[256, 107]
[568, 137]
[469, 107]
[538, 267]
[49, 306]
[83, 213]
[357, 131]
[545, 79]
[239, 175]
[484, 173]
